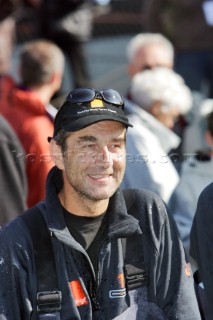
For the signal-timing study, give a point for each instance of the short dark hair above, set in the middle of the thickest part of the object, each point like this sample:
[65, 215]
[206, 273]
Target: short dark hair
[61, 138]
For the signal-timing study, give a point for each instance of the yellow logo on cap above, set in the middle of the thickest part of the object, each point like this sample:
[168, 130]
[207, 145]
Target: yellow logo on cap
[97, 103]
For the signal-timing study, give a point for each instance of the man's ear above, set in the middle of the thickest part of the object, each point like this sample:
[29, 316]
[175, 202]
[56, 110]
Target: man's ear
[56, 154]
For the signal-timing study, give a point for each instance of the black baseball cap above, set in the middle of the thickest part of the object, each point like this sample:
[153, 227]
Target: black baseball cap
[85, 106]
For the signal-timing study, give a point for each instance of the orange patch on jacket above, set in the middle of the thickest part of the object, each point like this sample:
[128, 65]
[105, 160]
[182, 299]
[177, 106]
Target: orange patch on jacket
[120, 277]
[78, 293]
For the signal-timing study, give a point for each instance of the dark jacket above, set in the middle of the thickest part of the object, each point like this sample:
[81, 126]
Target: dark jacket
[169, 294]
[70, 19]
[13, 185]
[201, 239]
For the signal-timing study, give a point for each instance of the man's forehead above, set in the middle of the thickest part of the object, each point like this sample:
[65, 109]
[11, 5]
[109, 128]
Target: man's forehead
[153, 51]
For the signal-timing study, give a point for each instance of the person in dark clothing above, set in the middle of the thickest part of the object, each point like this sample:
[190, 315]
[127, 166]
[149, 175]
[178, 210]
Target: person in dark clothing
[69, 25]
[188, 25]
[201, 237]
[13, 187]
[117, 253]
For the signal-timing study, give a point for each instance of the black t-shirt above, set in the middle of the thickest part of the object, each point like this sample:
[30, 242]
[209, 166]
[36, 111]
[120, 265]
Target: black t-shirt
[88, 231]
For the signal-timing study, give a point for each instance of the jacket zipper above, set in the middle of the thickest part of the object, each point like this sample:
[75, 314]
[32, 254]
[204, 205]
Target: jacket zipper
[95, 282]
[93, 297]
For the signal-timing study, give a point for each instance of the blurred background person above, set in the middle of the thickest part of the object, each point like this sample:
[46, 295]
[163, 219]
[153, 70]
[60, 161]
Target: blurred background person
[147, 51]
[189, 26]
[196, 173]
[67, 23]
[13, 186]
[8, 12]
[195, 131]
[41, 68]
[160, 96]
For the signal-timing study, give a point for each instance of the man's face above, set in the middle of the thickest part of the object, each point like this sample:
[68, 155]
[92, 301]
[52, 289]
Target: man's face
[94, 160]
[150, 57]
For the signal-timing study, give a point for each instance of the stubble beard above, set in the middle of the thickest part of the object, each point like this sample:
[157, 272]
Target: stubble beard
[86, 193]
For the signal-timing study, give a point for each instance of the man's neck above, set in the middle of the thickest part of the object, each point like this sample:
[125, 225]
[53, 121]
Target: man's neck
[82, 206]
[44, 93]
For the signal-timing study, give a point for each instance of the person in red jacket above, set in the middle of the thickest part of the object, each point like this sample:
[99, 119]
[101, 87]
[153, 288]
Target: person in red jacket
[41, 67]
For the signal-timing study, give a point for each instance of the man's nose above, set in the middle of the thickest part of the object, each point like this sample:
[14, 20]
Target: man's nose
[104, 156]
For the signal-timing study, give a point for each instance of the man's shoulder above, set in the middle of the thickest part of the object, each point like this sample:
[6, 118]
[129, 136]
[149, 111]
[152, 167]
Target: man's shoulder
[144, 203]
[13, 233]
[16, 246]
[148, 208]
[141, 194]
[208, 191]
[16, 229]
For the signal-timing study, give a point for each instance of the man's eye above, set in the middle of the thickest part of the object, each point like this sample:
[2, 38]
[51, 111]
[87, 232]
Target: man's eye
[115, 146]
[89, 147]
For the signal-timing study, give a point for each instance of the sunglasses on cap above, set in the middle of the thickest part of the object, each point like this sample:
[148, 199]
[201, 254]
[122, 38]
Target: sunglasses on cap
[82, 95]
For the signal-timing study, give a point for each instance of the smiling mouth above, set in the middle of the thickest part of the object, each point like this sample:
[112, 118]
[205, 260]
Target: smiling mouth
[100, 176]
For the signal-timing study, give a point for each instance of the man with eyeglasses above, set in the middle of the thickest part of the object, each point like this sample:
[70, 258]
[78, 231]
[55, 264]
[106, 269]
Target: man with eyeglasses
[91, 250]
[148, 51]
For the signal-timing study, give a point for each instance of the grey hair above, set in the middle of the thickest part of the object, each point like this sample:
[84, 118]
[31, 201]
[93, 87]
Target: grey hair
[144, 39]
[161, 84]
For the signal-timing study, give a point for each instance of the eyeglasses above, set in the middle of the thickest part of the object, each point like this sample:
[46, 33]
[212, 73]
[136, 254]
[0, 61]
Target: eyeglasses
[89, 94]
[151, 67]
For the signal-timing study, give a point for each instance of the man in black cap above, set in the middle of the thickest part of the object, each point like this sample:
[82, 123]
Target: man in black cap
[91, 250]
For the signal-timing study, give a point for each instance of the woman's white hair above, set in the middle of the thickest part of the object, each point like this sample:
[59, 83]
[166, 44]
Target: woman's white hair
[161, 84]
[142, 40]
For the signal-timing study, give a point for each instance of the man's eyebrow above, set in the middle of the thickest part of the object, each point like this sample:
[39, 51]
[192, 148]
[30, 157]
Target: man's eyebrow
[120, 139]
[123, 139]
[87, 138]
